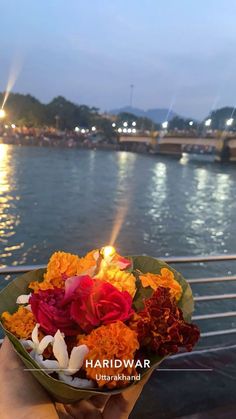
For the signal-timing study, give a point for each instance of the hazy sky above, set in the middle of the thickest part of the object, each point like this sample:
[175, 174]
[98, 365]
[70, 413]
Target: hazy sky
[179, 52]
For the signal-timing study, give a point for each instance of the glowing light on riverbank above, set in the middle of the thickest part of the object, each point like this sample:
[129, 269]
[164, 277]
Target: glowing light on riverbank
[2, 113]
[164, 124]
[229, 122]
[208, 122]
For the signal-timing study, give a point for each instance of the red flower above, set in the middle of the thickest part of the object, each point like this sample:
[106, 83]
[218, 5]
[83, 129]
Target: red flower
[95, 302]
[50, 312]
[161, 327]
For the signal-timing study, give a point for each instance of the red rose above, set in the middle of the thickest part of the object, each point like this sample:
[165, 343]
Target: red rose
[50, 312]
[95, 302]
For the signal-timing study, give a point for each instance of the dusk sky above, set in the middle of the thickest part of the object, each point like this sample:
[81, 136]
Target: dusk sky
[179, 53]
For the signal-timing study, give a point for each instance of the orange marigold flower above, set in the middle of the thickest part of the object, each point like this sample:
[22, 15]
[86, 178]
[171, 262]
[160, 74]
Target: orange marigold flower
[44, 285]
[61, 265]
[110, 342]
[165, 279]
[86, 263]
[21, 323]
[123, 281]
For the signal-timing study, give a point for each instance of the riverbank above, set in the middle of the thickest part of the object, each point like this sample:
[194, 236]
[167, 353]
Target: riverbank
[186, 148]
[58, 142]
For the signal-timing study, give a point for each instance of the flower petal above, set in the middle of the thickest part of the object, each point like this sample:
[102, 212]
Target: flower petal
[76, 382]
[77, 356]
[43, 344]
[28, 344]
[123, 263]
[35, 333]
[71, 284]
[23, 299]
[49, 365]
[60, 350]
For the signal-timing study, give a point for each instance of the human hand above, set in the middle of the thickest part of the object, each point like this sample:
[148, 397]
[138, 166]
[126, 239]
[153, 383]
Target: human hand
[118, 406]
[22, 397]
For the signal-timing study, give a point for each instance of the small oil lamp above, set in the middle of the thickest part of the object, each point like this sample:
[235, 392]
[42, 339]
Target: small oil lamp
[106, 255]
[107, 252]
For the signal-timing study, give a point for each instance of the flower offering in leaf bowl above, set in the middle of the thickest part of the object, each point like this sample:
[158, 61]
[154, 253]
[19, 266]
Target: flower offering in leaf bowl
[97, 324]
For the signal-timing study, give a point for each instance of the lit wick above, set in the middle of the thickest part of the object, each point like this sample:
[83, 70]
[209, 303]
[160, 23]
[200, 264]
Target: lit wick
[107, 252]
[106, 255]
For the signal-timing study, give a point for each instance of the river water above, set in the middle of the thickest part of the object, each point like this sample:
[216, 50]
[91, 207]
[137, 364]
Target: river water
[73, 200]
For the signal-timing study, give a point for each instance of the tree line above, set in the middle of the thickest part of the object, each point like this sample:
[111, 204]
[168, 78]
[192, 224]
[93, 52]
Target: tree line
[65, 115]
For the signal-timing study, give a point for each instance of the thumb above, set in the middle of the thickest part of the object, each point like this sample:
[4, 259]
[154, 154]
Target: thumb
[120, 405]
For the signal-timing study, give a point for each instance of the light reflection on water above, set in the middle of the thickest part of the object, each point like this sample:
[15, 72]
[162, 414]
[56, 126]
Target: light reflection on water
[9, 218]
[70, 198]
[54, 199]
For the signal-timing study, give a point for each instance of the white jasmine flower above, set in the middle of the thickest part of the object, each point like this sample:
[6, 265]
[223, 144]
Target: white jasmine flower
[64, 365]
[23, 299]
[38, 347]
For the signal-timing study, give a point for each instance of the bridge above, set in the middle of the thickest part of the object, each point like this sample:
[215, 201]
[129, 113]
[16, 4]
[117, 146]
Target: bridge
[223, 148]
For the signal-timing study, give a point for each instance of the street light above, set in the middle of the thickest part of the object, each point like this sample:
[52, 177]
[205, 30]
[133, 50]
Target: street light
[191, 123]
[119, 130]
[229, 122]
[134, 124]
[93, 129]
[208, 122]
[164, 124]
[134, 130]
[76, 129]
[125, 124]
[13, 126]
[114, 124]
[2, 113]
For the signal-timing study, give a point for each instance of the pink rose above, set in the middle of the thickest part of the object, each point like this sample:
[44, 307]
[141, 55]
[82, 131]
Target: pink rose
[50, 312]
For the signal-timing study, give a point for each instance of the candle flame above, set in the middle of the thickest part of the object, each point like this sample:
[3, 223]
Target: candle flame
[108, 251]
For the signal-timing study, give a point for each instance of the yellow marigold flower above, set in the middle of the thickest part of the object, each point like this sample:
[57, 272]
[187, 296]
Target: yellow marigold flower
[20, 323]
[110, 342]
[123, 281]
[165, 279]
